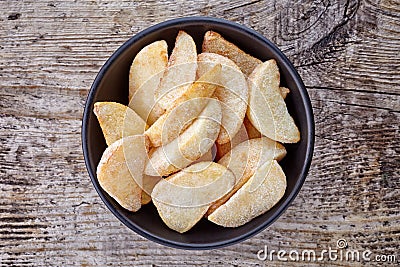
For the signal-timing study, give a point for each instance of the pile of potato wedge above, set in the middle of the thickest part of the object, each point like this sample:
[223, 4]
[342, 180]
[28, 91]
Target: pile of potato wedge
[202, 134]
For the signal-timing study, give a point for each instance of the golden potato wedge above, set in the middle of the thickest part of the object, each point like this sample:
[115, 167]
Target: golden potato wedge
[117, 121]
[114, 170]
[148, 184]
[183, 198]
[240, 137]
[267, 109]
[185, 109]
[245, 158]
[193, 143]
[258, 195]
[145, 74]
[181, 71]
[214, 43]
[233, 93]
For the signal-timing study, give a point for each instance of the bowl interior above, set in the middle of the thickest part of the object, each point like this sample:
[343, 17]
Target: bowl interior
[112, 85]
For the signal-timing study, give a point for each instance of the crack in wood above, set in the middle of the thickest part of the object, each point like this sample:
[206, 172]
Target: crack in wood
[352, 90]
[242, 5]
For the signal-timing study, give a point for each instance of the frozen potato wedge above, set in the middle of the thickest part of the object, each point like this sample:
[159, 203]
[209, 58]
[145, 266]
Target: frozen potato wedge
[244, 159]
[145, 74]
[183, 198]
[233, 93]
[114, 170]
[259, 194]
[208, 156]
[117, 121]
[148, 184]
[284, 92]
[251, 131]
[146, 198]
[193, 143]
[151, 60]
[267, 109]
[180, 72]
[185, 109]
[214, 43]
[240, 137]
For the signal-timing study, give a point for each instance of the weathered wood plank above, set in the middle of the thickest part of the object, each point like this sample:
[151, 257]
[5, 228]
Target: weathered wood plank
[50, 52]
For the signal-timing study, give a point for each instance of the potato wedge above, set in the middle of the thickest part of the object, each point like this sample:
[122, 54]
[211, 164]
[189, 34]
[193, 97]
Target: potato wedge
[284, 92]
[245, 158]
[146, 198]
[145, 74]
[193, 143]
[185, 109]
[267, 109]
[214, 43]
[114, 170]
[148, 184]
[258, 195]
[184, 197]
[208, 156]
[181, 71]
[117, 121]
[251, 131]
[233, 93]
[240, 137]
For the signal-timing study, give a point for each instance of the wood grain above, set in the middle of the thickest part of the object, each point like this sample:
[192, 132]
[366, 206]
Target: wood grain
[347, 53]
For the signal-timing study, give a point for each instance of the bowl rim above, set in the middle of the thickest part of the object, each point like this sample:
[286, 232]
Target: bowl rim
[308, 114]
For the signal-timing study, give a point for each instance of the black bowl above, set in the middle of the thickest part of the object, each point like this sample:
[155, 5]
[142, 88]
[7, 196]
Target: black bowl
[111, 84]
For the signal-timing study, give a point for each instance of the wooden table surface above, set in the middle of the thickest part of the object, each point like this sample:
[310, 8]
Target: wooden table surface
[348, 54]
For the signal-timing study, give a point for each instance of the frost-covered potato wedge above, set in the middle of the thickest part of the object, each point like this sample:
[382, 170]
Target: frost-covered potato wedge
[214, 43]
[183, 198]
[185, 109]
[245, 158]
[193, 143]
[284, 92]
[258, 195]
[267, 109]
[145, 198]
[120, 170]
[148, 184]
[233, 93]
[251, 131]
[145, 74]
[240, 137]
[180, 72]
[117, 121]
[208, 156]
